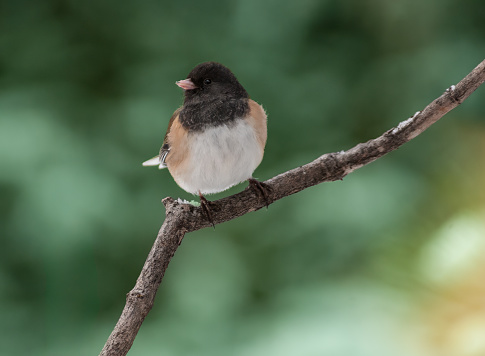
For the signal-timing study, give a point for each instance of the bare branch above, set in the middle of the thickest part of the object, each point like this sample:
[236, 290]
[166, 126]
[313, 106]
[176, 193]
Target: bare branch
[182, 218]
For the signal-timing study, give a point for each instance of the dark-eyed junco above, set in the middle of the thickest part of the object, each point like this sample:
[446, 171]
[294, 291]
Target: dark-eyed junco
[217, 138]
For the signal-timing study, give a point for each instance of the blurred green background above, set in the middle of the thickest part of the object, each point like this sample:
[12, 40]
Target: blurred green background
[387, 262]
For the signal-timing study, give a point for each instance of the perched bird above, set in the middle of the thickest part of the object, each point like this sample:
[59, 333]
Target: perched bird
[217, 138]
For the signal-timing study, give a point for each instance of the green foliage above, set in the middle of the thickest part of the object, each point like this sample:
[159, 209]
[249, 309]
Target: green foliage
[86, 92]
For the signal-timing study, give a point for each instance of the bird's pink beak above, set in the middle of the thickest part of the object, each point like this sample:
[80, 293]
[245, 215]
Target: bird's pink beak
[186, 84]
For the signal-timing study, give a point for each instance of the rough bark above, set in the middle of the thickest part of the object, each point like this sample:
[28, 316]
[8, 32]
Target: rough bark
[182, 218]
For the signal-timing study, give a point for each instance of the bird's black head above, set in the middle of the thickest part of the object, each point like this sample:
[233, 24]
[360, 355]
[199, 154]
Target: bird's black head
[210, 80]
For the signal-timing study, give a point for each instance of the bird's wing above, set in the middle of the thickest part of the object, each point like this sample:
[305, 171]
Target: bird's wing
[165, 149]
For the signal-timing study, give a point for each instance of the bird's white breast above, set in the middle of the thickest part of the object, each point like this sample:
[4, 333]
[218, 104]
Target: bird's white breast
[220, 157]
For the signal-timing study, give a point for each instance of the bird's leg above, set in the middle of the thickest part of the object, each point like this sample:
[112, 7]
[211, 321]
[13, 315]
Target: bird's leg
[261, 188]
[204, 203]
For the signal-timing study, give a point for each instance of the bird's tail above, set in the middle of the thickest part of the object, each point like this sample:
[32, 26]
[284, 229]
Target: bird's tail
[155, 161]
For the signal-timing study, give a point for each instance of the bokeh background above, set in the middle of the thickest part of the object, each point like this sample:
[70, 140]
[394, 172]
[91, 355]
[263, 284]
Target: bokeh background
[387, 262]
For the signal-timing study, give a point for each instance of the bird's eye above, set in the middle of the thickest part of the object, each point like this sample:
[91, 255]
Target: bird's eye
[207, 81]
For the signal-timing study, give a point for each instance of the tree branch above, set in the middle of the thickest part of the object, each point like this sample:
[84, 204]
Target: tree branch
[182, 218]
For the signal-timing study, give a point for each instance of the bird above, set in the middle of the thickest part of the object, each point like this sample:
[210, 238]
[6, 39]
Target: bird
[216, 139]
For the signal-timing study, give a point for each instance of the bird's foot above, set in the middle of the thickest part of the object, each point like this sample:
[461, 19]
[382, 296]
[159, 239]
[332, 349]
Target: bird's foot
[205, 204]
[262, 189]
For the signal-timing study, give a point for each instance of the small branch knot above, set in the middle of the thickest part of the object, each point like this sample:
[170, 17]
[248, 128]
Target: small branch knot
[167, 202]
[453, 94]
